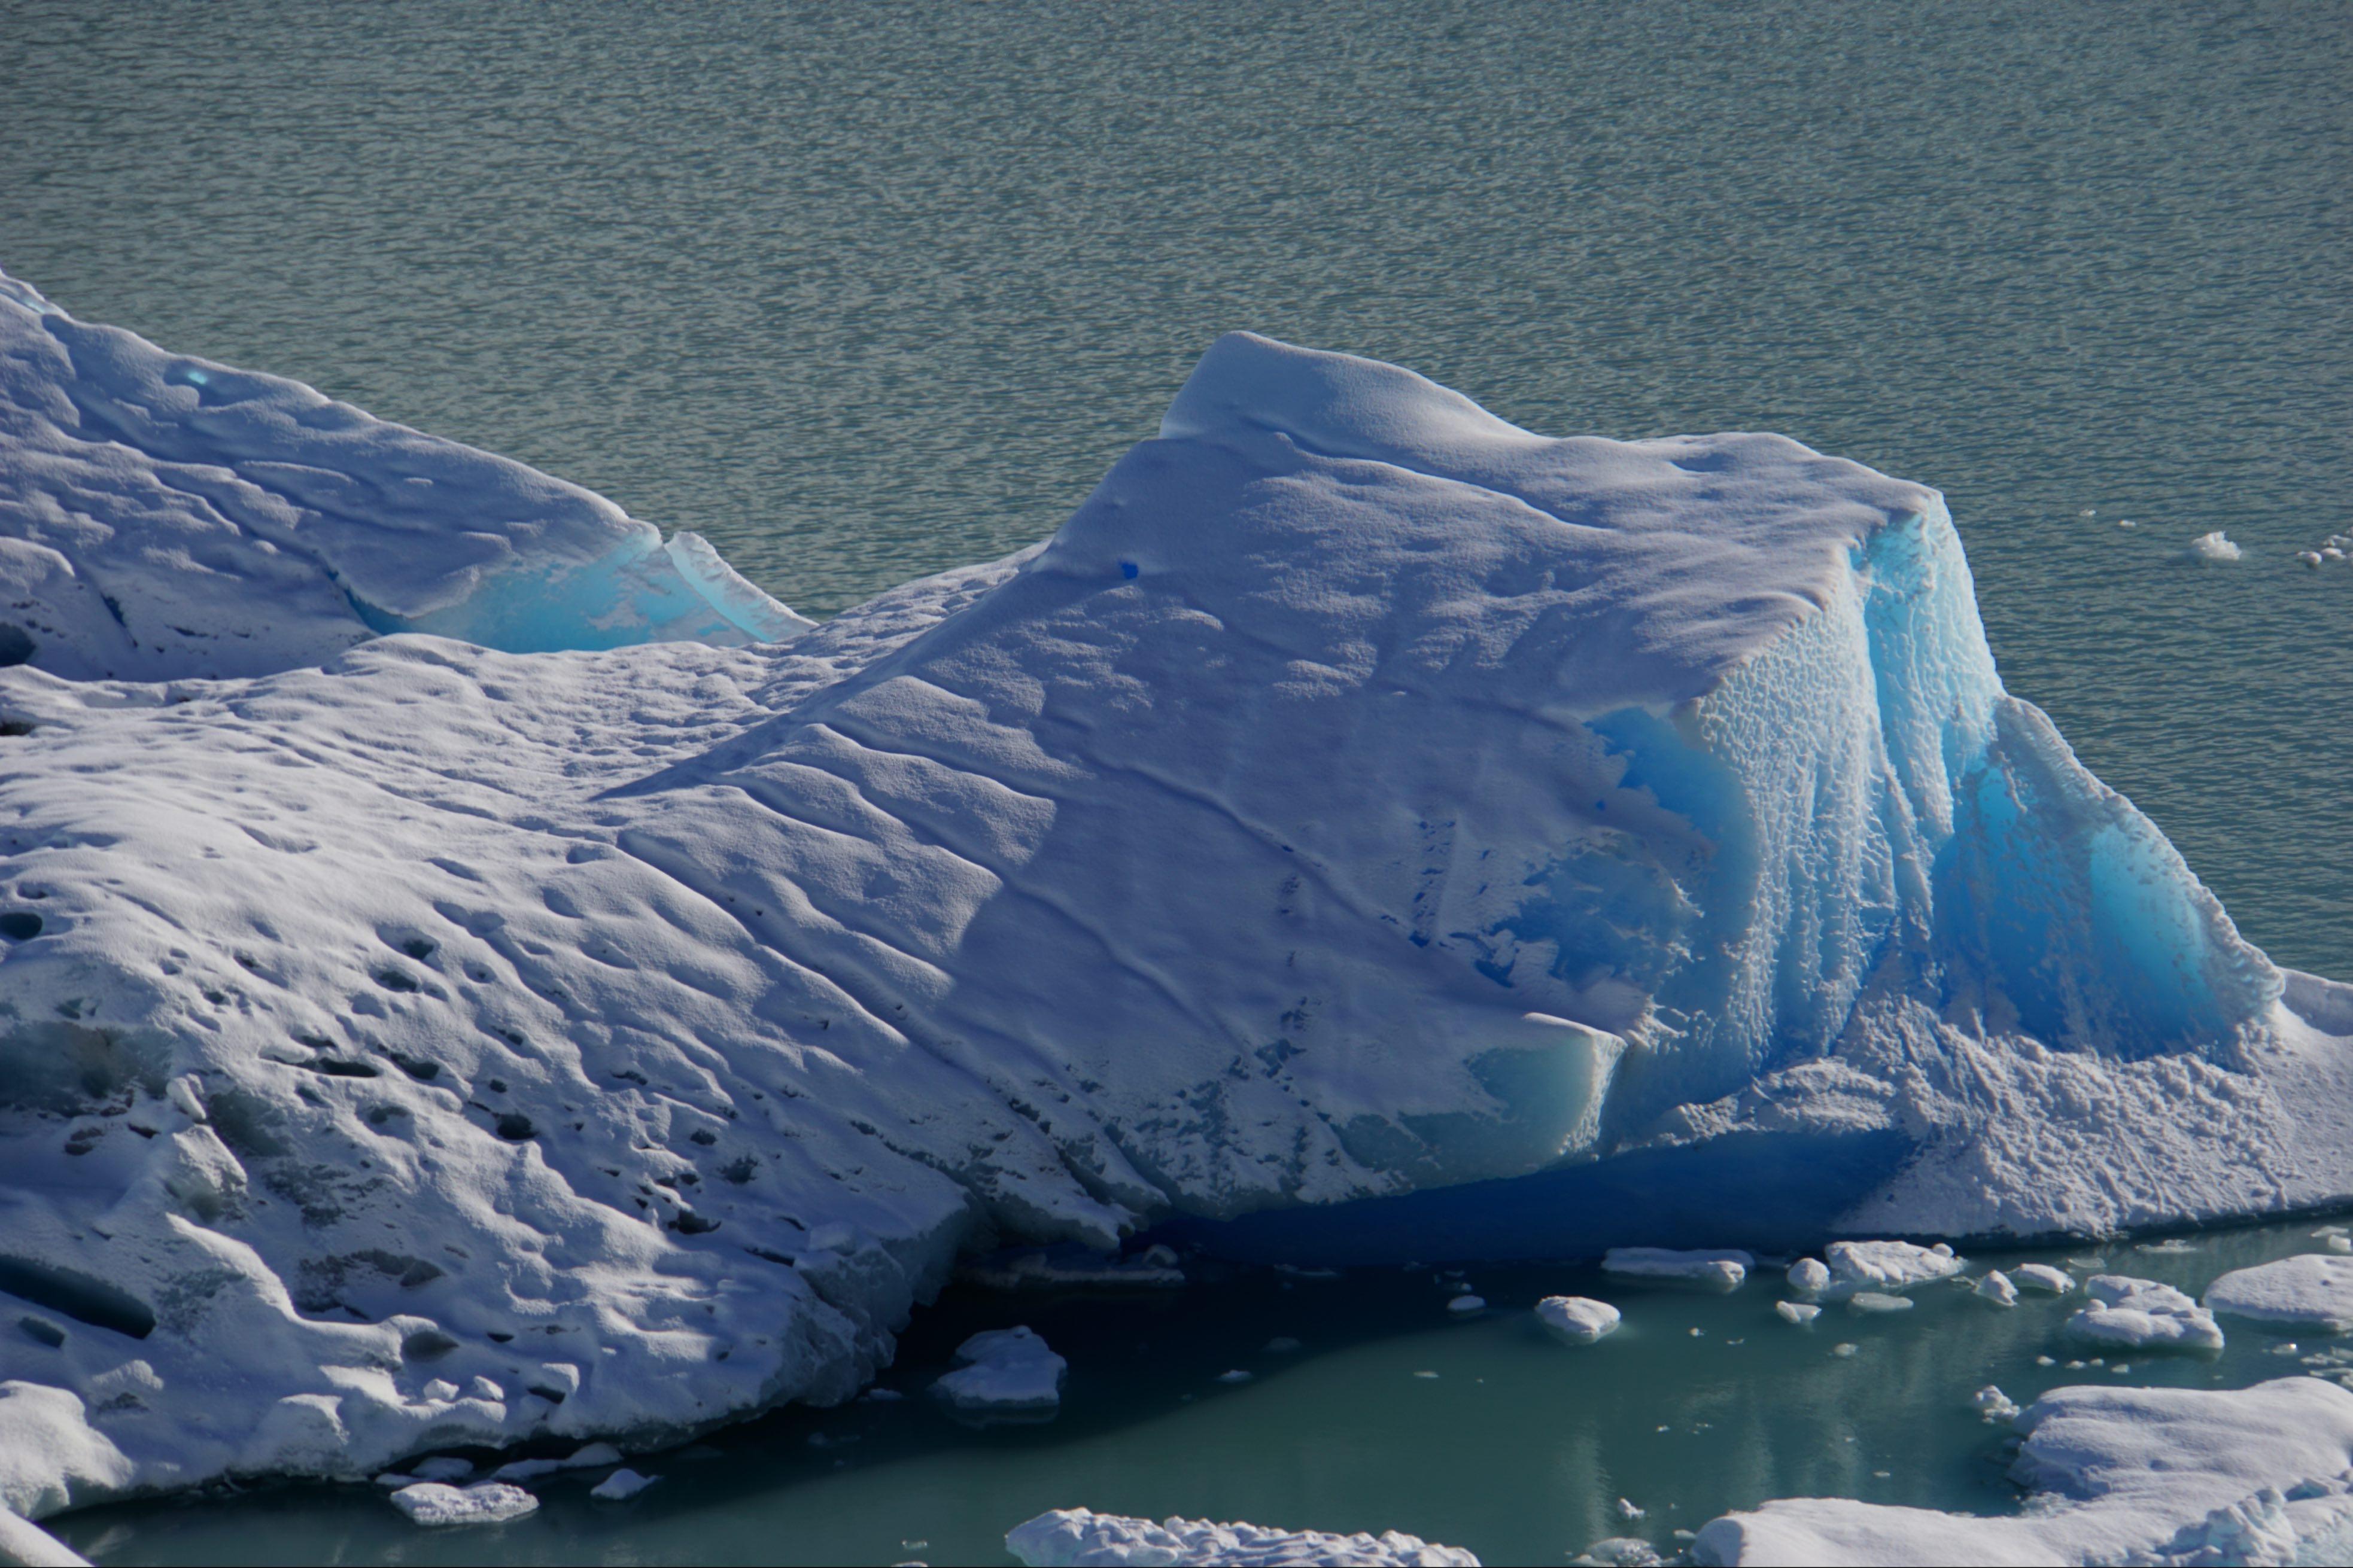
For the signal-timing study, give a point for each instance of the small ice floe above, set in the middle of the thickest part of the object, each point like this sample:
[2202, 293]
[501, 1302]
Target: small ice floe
[2094, 1264]
[1721, 1268]
[1992, 1403]
[1888, 1264]
[1576, 1319]
[587, 1457]
[1810, 1275]
[1074, 1267]
[2311, 1290]
[1871, 1301]
[2309, 558]
[1008, 1372]
[2172, 1247]
[1796, 1311]
[1076, 1535]
[484, 1502]
[2214, 546]
[1619, 1551]
[1628, 1511]
[1236, 1375]
[1844, 1350]
[1996, 1286]
[1467, 1303]
[621, 1485]
[2144, 1314]
[2042, 1276]
[23, 1541]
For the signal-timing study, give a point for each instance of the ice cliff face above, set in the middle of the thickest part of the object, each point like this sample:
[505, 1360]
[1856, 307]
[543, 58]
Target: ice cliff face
[1365, 825]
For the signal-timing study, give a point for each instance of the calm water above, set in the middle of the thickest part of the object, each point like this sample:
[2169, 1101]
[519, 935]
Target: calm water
[1518, 1447]
[861, 292]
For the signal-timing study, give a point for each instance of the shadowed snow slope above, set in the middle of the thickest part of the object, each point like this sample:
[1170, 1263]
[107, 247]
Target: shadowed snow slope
[1359, 802]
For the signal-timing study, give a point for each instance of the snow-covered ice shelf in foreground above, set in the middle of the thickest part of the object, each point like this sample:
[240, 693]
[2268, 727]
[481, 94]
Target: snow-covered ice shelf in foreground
[1364, 824]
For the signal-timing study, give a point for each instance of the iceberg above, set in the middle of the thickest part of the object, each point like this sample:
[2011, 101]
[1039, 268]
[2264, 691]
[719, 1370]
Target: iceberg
[457, 990]
[2120, 1475]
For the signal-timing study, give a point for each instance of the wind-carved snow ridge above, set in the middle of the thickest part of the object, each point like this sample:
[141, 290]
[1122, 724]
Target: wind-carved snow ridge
[1365, 829]
[163, 516]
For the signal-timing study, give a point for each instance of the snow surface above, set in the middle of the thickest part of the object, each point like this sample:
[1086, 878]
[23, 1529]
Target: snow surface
[2144, 1313]
[2314, 1290]
[1069, 1537]
[1364, 829]
[1888, 1264]
[1577, 1319]
[24, 1544]
[1008, 1371]
[2166, 1475]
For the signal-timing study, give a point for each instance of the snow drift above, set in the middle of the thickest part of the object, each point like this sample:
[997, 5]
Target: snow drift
[1364, 826]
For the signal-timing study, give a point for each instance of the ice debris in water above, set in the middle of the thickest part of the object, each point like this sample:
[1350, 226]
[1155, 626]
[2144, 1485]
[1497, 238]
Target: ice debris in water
[2214, 546]
[1796, 1311]
[1888, 1264]
[2144, 1313]
[1810, 1275]
[1992, 1403]
[1627, 1510]
[2042, 1276]
[1067, 1537]
[1875, 1301]
[2311, 1290]
[1619, 1551]
[1720, 1269]
[1004, 1370]
[1997, 1288]
[1467, 1303]
[484, 1502]
[621, 1486]
[1237, 1376]
[713, 996]
[2119, 1475]
[1578, 1320]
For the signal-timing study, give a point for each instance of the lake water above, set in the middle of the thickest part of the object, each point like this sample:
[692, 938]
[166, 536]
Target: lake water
[861, 292]
[1518, 1447]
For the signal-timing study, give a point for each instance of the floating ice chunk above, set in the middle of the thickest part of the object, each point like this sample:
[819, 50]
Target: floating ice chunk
[1888, 1264]
[2172, 1247]
[1844, 1350]
[1722, 1269]
[2340, 1243]
[2119, 1475]
[484, 1502]
[621, 1485]
[28, 1546]
[1577, 1319]
[1809, 1274]
[1872, 1301]
[2312, 1291]
[2214, 546]
[1619, 1551]
[1996, 1286]
[2042, 1276]
[1236, 1375]
[442, 1467]
[1467, 1303]
[1992, 1403]
[1067, 1537]
[2144, 1313]
[1796, 1311]
[1627, 1510]
[1004, 1370]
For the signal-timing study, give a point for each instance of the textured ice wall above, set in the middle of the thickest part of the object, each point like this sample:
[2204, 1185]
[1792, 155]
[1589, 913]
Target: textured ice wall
[1361, 816]
[166, 516]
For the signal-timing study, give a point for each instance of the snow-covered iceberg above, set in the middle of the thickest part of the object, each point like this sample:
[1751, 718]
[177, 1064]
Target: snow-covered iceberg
[1364, 829]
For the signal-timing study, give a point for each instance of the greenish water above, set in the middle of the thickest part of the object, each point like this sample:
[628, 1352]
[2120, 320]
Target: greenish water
[864, 292]
[1518, 1447]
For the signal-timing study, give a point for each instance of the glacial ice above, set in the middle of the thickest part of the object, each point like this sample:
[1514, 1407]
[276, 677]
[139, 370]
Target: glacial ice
[1071, 1537]
[1888, 1264]
[1576, 1319]
[1364, 831]
[2144, 1313]
[484, 1502]
[1719, 1268]
[2162, 1476]
[1004, 1372]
